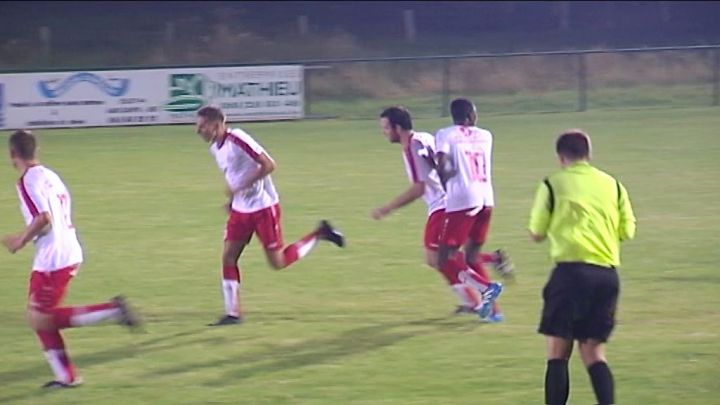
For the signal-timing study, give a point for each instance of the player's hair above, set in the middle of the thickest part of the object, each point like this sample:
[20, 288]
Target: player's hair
[573, 144]
[461, 110]
[23, 144]
[399, 116]
[211, 113]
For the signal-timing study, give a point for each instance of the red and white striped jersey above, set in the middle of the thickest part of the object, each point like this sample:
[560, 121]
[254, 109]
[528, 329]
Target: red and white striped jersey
[417, 156]
[470, 152]
[236, 154]
[41, 190]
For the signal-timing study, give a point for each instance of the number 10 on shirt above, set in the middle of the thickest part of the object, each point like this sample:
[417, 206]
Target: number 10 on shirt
[476, 162]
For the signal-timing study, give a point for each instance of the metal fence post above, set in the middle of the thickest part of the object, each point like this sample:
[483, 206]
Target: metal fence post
[445, 89]
[306, 90]
[307, 71]
[582, 82]
[716, 77]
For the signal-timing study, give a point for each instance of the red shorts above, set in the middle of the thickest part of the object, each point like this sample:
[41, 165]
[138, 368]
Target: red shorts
[433, 228]
[47, 289]
[459, 227]
[266, 223]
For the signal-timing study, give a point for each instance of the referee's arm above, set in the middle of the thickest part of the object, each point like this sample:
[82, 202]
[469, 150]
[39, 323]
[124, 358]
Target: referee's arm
[540, 214]
[627, 224]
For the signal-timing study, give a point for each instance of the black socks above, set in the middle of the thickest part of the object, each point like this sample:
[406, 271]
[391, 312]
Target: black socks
[602, 382]
[557, 385]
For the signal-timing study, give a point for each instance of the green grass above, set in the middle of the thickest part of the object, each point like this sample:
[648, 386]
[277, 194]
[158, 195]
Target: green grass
[368, 324]
[605, 98]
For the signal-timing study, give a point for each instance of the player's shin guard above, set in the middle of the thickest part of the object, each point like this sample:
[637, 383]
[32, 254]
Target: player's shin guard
[300, 249]
[230, 289]
[57, 358]
[71, 317]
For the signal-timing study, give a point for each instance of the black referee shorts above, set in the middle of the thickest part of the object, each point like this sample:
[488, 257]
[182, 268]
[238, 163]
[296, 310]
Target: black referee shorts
[579, 302]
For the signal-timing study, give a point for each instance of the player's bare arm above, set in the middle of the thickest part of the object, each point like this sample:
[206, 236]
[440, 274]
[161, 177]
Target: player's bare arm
[13, 243]
[444, 168]
[267, 166]
[413, 192]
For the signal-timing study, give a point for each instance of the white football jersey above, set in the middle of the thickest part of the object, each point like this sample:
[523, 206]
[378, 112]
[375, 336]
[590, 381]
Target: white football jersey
[41, 190]
[417, 157]
[236, 155]
[470, 152]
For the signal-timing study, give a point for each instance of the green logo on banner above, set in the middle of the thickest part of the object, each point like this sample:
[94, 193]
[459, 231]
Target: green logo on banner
[186, 92]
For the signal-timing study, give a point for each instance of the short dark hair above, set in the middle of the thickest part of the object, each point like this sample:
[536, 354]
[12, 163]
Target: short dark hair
[399, 116]
[211, 113]
[23, 144]
[461, 110]
[573, 144]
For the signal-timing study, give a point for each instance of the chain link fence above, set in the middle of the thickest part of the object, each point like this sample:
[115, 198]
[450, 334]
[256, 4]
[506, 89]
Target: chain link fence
[516, 82]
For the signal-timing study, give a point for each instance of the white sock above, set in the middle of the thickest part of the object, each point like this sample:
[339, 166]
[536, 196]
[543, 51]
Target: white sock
[230, 290]
[54, 359]
[467, 278]
[91, 318]
[465, 295]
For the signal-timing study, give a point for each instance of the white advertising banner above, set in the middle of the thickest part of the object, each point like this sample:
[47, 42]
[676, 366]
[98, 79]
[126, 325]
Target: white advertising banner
[148, 97]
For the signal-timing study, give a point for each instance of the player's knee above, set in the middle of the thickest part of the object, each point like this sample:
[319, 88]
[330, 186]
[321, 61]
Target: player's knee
[230, 256]
[444, 255]
[471, 252]
[39, 321]
[592, 352]
[470, 258]
[276, 259]
[431, 258]
[559, 348]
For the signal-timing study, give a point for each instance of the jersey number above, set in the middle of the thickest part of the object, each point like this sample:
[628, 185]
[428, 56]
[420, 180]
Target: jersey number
[65, 209]
[477, 166]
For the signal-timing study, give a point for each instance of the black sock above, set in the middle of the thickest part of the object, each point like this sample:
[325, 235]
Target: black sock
[602, 382]
[557, 385]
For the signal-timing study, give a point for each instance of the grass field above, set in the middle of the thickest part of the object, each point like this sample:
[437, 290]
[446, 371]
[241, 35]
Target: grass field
[429, 105]
[369, 324]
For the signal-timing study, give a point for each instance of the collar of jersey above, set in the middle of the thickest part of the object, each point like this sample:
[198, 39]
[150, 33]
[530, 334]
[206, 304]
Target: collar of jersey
[224, 137]
[27, 169]
[579, 164]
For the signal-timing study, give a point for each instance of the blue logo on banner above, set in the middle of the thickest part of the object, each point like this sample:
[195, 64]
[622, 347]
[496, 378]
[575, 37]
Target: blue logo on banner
[111, 87]
[2, 105]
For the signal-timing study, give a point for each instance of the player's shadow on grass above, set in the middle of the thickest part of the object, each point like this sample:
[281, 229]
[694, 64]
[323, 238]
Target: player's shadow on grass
[40, 368]
[277, 357]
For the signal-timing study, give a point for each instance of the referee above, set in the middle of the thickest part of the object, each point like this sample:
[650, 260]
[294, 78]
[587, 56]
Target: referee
[585, 213]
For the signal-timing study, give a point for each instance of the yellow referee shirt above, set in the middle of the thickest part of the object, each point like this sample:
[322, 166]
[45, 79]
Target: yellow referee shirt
[585, 213]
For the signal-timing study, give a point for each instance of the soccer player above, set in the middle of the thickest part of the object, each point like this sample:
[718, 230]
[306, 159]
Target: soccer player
[418, 156]
[464, 154]
[46, 206]
[254, 206]
[585, 213]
